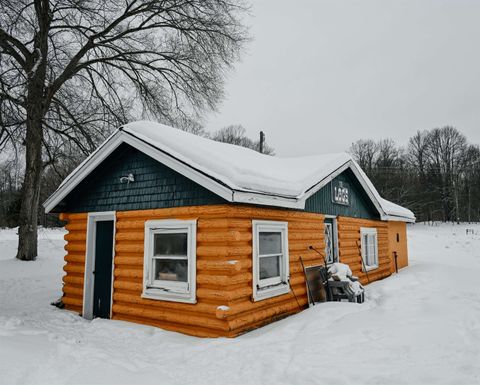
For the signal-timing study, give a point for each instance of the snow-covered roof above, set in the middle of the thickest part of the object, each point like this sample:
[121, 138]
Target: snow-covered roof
[236, 173]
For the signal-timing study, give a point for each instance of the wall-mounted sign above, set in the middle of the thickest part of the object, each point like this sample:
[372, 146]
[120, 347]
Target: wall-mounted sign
[340, 192]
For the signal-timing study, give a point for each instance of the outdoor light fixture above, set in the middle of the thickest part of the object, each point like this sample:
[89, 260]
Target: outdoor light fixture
[129, 178]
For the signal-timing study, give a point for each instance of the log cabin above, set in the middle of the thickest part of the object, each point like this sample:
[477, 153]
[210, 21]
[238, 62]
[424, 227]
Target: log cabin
[177, 231]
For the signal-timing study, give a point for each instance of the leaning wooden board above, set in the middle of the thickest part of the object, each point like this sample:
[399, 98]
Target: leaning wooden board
[315, 287]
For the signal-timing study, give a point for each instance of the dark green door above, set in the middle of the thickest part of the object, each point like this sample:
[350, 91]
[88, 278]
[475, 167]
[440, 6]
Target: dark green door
[102, 289]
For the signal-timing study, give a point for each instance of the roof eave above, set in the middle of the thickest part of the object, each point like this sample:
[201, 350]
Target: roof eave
[256, 198]
[397, 218]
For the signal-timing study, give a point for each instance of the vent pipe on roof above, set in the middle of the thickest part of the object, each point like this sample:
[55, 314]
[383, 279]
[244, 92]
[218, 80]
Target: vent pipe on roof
[262, 141]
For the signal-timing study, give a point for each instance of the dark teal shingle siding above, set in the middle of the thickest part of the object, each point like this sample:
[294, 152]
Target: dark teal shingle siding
[360, 204]
[155, 186]
[158, 186]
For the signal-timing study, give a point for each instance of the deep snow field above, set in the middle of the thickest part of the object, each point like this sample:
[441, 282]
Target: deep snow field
[421, 326]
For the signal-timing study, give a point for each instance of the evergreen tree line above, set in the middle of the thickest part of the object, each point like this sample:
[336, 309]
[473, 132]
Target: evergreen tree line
[436, 175]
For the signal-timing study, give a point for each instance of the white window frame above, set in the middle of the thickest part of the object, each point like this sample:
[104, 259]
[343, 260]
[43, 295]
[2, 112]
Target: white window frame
[369, 232]
[327, 225]
[271, 287]
[170, 290]
[89, 278]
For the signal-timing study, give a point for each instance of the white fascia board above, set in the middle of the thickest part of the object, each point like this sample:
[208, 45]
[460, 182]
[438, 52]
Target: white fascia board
[369, 192]
[395, 218]
[83, 170]
[338, 171]
[324, 182]
[267, 200]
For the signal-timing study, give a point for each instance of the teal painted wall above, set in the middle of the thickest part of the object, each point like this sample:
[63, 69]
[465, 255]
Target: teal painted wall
[155, 186]
[360, 204]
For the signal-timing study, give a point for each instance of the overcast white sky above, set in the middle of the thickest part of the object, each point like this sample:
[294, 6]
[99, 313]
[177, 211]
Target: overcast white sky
[321, 74]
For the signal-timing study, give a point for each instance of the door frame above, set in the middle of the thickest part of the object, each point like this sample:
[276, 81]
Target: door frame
[89, 279]
[336, 253]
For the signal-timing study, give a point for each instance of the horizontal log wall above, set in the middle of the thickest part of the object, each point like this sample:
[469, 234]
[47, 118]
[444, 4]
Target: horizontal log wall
[350, 252]
[224, 269]
[75, 260]
[304, 230]
[398, 246]
[214, 273]
[224, 266]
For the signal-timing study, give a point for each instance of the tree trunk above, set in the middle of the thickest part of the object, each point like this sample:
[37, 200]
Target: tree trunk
[36, 109]
[27, 231]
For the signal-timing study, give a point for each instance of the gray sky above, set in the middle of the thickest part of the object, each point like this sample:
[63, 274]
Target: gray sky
[321, 74]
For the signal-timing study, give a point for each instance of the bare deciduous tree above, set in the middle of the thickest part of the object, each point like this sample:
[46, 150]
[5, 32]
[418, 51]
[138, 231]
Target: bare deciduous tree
[236, 134]
[437, 175]
[365, 153]
[74, 69]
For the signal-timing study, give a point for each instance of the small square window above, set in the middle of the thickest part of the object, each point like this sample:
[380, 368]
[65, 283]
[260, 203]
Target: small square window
[170, 270]
[170, 260]
[269, 267]
[170, 244]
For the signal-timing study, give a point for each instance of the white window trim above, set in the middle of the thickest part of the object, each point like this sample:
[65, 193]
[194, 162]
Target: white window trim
[327, 224]
[173, 291]
[369, 231]
[271, 287]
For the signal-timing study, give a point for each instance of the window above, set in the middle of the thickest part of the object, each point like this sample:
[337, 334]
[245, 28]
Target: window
[369, 248]
[329, 251]
[170, 260]
[270, 259]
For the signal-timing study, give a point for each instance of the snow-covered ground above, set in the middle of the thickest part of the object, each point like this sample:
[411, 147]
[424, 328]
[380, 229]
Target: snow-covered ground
[421, 326]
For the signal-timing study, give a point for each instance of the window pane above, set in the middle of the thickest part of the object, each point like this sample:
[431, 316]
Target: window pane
[170, 244]
[270, 242]
[269, 267]
[369, 247]
[171, 270]
[328, 242]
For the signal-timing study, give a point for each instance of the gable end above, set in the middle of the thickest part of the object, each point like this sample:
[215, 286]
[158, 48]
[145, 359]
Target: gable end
[155, 186]
[360, 205]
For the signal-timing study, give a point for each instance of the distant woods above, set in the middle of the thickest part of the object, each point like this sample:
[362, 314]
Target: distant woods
[436, 175]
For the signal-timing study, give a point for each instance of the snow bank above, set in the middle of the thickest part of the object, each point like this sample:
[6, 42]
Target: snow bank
[421, 326]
